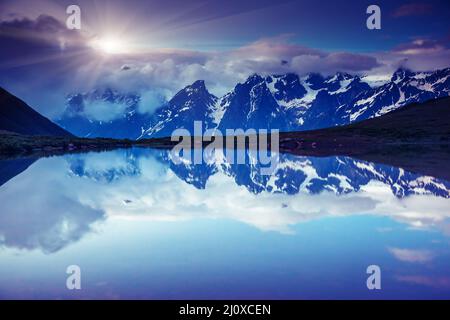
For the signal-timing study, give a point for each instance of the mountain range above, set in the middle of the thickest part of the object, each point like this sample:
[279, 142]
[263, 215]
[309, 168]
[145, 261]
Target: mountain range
[293, 174]
[292, 103]
[285, 102]
[77, 120]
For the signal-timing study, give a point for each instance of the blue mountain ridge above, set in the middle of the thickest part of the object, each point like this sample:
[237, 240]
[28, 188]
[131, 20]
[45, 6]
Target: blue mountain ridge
[292, 175]
[128, 125]
[285, 102]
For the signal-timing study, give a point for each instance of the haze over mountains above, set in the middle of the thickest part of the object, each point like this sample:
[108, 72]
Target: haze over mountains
[286, 102]
[77, 119]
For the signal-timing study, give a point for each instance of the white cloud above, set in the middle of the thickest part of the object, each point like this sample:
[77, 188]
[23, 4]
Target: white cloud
[103, 110]
[425, 280]
[412, 255]
[150, 101]
[154, 192]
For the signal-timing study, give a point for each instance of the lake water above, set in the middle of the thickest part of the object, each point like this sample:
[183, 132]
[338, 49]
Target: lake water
[139, 226]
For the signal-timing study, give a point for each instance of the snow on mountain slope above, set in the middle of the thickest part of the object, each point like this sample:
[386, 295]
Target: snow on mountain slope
[292, 175]
[193, 103]
[285, 102]
[404, 88]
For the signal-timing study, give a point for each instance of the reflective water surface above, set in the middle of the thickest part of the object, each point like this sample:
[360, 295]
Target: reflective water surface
[140, 226]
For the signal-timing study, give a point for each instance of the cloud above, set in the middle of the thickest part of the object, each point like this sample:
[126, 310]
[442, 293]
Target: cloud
[150, 101]
[43, 60]
[435, 282]
[420, 47]
[412, 255]
[174, 68]
[334, 62]
[52, 222]
[413, 9]
[154, 189]
[419, 54]
[103, 110]
[77, 191]
[167, 71]
[43, 31]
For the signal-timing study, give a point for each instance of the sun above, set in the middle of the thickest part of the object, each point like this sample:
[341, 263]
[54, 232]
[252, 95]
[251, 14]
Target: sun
[110, 45]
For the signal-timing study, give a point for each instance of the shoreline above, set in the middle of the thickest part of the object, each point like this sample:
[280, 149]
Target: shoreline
[425, 157]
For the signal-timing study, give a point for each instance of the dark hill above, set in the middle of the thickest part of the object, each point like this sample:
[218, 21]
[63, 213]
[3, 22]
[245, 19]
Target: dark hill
[16, 116]
[415, 137]
[418, 123]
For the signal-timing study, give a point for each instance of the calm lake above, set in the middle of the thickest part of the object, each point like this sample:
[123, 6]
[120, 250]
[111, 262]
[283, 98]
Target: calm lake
[140, 226]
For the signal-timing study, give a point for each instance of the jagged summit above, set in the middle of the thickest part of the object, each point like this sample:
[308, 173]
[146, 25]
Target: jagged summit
[401, 74]
[286, 102]
[193, 103]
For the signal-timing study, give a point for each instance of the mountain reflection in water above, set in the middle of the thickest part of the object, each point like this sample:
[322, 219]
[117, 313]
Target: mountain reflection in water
[73, 207]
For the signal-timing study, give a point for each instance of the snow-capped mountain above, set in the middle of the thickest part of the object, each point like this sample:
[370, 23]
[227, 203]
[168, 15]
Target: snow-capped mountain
[120, 165]
[252, 105]
[292, 175]
[405, 87]
[79, 115]
[289, 102]
[285, 102]
[300, 174]
[193, 103]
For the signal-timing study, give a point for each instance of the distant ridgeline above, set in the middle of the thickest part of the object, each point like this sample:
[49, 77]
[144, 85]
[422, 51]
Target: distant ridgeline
[285, 102]
[293, 175]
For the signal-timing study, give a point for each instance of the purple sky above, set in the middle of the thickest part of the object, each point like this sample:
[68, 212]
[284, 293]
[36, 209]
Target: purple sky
[161, 46]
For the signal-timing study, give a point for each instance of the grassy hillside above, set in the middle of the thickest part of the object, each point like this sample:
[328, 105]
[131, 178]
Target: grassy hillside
[415, 138]
[13, 144]
[424, 123]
